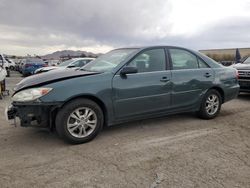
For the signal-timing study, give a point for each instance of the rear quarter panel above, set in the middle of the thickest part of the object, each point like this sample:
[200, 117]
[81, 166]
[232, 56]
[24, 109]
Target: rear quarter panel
[226, 79]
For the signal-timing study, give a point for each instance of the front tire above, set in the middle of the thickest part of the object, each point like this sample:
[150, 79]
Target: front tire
[79, 121]
[211, 105]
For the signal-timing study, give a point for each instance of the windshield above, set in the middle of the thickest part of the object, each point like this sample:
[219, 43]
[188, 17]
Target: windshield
[108, 61]
[66, 63]
[247, 61]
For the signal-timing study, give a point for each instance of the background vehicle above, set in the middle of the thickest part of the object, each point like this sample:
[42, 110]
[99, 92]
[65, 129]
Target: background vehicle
[72, 63]
[11, 64]
[29, 65]
[20, 66]
[4, 63]
[3, 74]
[123, 85]
[244, 74]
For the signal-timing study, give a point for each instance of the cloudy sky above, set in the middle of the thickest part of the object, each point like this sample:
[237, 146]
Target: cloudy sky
[44, 26]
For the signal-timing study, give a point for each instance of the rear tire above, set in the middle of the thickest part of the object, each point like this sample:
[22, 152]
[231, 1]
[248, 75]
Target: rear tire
[211, 105]
[79, 121]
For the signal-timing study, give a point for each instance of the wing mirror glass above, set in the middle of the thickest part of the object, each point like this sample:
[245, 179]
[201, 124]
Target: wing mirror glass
[128, 70]
[71, 66]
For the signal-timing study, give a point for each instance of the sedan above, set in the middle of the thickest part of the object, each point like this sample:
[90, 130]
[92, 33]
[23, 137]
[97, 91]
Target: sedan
[123, 85]
[72, 63]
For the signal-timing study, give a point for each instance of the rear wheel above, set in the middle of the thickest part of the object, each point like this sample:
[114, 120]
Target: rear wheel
[211, 105]
[79, 121]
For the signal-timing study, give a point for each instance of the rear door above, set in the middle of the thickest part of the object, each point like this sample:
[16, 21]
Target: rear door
[191, 76]
[146, 91]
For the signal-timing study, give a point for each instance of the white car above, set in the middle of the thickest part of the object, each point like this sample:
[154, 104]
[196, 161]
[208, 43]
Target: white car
[3, 62]
[72, 63]
[3, 74]
[11, 64]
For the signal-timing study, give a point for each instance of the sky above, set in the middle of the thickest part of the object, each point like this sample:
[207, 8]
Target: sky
[44, 26]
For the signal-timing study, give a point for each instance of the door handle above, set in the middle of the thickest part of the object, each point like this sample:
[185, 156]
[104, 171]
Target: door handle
[207, 75]
[164, 79]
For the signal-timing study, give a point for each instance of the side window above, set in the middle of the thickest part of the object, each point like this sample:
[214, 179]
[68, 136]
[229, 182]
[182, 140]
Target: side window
[182, 59]
[76, 63]
[149, 61]
[82, 63]
[202, 64]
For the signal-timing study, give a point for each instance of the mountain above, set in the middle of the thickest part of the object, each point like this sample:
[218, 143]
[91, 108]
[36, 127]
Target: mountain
[71, 53]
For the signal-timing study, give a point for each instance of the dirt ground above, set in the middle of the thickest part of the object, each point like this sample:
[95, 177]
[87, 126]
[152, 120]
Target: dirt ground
[176, 151]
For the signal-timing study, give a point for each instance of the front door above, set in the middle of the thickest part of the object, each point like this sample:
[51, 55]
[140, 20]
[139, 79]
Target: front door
[146, 91]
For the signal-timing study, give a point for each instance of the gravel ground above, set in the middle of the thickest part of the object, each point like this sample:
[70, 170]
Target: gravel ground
[175, 151]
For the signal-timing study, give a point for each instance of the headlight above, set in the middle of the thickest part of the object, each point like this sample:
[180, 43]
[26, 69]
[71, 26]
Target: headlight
[30, 94]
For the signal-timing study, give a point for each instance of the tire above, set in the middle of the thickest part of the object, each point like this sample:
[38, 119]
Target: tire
[210, 109]
[12, 68]
[72, 123]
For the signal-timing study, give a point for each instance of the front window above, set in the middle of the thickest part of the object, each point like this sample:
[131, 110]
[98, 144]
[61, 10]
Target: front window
[247, 61]
[108, 61]
[150, 61]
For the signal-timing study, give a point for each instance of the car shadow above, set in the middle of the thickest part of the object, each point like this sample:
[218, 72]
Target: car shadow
[44, 136]
[169, 119]
[244, 96]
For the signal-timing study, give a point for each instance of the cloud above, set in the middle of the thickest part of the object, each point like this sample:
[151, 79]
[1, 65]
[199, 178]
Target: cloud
[28, 26]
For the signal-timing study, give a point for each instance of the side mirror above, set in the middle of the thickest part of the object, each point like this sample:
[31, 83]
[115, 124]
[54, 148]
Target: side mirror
[128, 70]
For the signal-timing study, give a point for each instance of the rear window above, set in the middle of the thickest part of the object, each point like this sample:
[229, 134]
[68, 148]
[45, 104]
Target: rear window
[38, 61]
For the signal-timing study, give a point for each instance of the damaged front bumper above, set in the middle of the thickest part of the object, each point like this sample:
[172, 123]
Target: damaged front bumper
[32, 114]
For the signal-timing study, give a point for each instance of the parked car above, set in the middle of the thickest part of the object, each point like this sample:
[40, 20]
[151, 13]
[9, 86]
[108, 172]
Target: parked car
[244, 74]
[4, 63]
[30, 65]
[3, 75]
[72, 63]
[11, 64]
[17, 65]
[21, 65]
[123, 85]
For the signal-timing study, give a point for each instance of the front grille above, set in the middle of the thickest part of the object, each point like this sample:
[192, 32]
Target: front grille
[244, 74]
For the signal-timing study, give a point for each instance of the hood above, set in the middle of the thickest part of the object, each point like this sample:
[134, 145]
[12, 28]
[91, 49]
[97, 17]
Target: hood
[49, 68]
[241, 66]
[50, 77]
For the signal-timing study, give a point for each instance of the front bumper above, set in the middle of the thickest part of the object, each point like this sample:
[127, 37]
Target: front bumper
[32, 114]
[10, 112]
[244, 85]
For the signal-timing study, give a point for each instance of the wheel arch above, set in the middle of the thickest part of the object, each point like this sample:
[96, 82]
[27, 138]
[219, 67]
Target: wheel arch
[89, 97]
[221, 91]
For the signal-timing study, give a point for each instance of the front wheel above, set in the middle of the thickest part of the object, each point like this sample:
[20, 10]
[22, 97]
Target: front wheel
[211, 105]
[79, 121]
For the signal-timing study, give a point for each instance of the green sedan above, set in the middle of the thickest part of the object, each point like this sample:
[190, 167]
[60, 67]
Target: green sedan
[123, 85]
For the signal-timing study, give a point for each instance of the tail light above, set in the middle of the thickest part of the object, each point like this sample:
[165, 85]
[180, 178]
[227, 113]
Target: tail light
[237, 73]
[45, 65]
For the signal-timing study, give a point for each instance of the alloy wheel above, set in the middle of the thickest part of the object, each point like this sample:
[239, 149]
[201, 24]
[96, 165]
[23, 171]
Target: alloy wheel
[212, 104]
[82, 122]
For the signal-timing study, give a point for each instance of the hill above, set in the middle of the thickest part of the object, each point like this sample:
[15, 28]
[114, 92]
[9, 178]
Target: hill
[71, 53]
